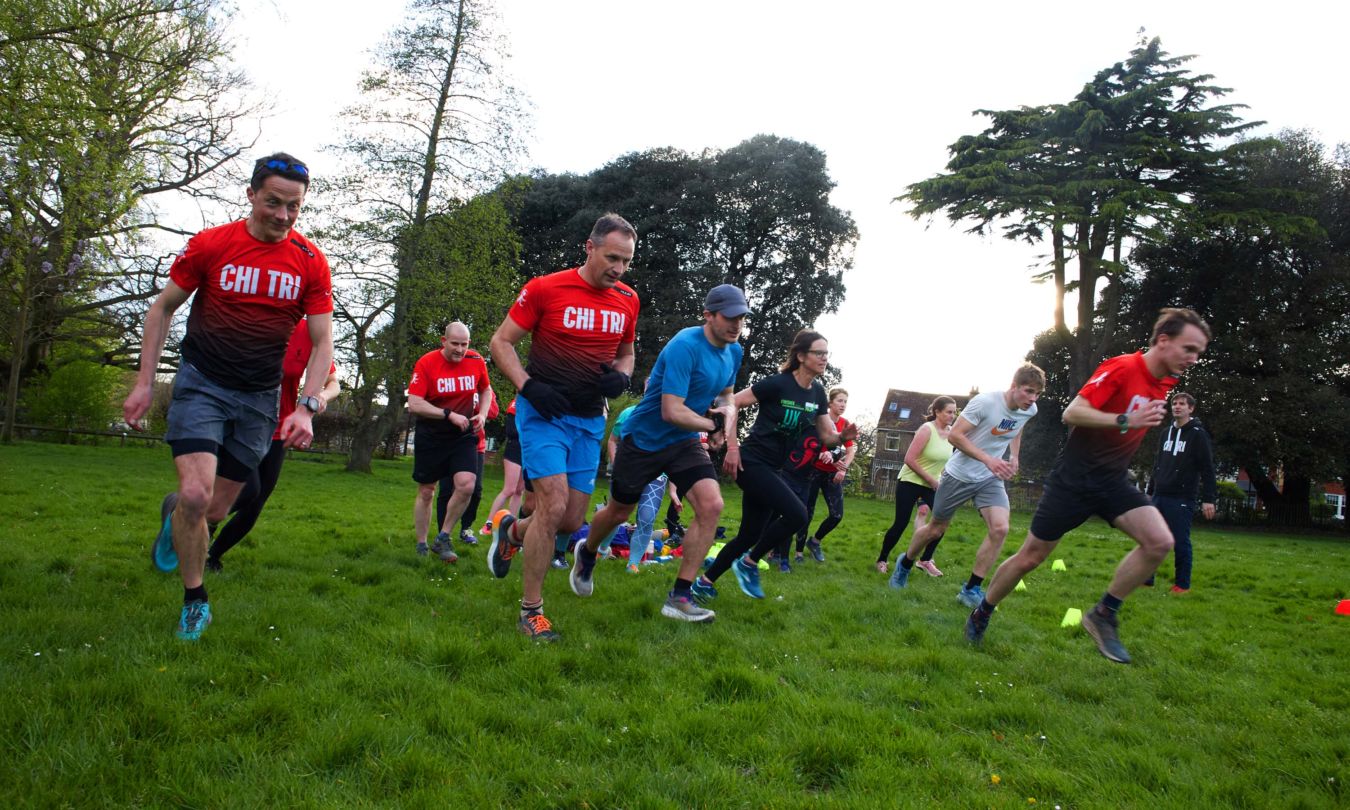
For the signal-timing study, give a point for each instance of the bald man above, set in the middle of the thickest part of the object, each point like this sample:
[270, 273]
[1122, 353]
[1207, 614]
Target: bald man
[450, 395]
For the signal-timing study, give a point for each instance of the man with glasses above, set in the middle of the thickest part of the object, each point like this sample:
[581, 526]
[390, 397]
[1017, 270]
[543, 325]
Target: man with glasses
[254, 279]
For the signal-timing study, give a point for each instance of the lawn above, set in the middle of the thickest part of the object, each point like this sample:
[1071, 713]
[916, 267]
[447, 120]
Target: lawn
[342, 670]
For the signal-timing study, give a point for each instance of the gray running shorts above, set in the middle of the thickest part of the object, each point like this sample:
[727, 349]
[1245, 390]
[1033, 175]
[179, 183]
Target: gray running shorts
[952, 492]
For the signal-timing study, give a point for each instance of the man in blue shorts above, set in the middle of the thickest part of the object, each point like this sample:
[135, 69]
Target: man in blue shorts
[696, 369]
[583, 323]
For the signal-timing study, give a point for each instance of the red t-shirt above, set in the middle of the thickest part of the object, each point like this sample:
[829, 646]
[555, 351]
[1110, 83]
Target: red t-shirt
[450, 386]
[827, 461]
[576, 328]
[250, 294]
[493, 412]
[1119, 385]
[293, 366]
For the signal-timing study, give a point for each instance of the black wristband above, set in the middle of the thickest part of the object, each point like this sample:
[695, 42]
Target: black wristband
[446, 411]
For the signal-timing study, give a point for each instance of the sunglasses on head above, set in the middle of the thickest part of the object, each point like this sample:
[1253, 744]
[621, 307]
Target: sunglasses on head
[294, 166]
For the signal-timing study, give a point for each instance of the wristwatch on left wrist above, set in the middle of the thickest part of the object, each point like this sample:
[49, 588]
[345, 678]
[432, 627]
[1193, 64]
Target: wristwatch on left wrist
[1124, 421]
[312, 403]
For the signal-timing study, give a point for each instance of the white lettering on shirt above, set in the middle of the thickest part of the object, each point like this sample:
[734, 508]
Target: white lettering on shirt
[583, 319]
[244, 280]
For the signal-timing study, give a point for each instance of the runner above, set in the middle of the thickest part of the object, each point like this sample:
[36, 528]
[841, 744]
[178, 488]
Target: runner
[694, 372]
[826, 476]
[790, 403]
[583, 323]
[450, 395]
[925, 459]
[1122, 399]
[989, 428]
[249, 505]
[254, 279]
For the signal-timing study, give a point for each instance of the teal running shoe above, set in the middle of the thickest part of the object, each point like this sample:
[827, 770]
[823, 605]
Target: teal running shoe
[196, 617]
[747, 576]
[162, 553]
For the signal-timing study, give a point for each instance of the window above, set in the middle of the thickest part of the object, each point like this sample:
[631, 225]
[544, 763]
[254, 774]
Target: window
[891, 406]
[892, 442]
[904, 413]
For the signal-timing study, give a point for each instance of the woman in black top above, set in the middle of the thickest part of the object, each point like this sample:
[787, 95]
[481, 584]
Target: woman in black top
[790, 403]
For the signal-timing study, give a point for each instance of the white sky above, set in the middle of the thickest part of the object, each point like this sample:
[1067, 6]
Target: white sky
[882, 88]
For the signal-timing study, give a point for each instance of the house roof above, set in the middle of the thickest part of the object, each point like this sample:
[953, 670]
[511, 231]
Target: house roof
[915, 402]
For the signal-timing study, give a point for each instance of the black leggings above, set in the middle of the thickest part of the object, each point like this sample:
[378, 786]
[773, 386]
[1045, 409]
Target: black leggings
[447, 488]
[906, 493]
[251, 500]
[770, 514]
[822, 483]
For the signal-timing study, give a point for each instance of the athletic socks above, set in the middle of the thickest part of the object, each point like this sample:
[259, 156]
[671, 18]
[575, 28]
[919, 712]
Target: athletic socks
[530, 609]
[906, 563]
[682, 588]
[1109, 603]
[974, 582]
[985, 607]
[197, 594]
[561, 541]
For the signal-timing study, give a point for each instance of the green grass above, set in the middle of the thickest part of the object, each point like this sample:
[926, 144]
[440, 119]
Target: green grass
[344, 671]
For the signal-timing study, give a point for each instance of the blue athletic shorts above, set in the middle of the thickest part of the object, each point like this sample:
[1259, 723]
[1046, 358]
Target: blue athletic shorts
[208, 418]
[568, 444]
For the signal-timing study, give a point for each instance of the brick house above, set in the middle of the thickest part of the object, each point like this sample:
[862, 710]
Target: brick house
[902, 414]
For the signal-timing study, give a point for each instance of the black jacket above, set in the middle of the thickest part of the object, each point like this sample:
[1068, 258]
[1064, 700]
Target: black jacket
[1184, 459]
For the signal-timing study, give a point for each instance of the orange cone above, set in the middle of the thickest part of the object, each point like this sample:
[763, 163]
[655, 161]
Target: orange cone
[1343, 607]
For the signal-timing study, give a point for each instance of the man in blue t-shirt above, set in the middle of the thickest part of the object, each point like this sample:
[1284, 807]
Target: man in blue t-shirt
[689, 392]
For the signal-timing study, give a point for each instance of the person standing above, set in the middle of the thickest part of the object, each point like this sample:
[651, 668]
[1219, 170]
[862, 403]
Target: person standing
[450, 395]
[1108, 418]
[826, 477]
[695, 371]
[249, 505]
[791, 403]
[1185, 463]
[583, 322]
[254, 279]
[924, 461]
[989, 428]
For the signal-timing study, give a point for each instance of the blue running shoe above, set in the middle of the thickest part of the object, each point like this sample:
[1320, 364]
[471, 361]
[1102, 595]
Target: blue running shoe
[976, 624]
[747, 576]
[817, 553]
[582, 577]
[502, 549]
[195, 618]
[970, 597]
[784, 567]
[161, 551]
[443, 549]
[900, 576]
[703, 590]
[1105, 631]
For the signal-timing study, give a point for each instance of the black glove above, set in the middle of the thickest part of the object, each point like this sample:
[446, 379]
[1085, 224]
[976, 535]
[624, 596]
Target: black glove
[610, 382]
[544, 398]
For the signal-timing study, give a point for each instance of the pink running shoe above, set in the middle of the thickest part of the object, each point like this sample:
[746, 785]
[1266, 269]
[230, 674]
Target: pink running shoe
[881, 566]
[928, 567]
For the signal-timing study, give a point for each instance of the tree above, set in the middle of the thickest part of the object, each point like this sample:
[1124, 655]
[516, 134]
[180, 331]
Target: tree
[1268, 265]
[437, 123]
[1113, 167]
[757, 215]
[105, 104]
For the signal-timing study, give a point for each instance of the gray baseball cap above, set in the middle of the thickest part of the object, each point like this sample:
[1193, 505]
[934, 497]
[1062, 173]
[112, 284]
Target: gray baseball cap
[728, 300]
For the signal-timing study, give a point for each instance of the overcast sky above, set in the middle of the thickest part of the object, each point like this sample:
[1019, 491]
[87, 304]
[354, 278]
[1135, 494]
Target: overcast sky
[881, 88]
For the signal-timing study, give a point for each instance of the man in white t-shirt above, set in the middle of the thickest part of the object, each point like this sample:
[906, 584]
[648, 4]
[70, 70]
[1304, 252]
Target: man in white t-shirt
[989, 428]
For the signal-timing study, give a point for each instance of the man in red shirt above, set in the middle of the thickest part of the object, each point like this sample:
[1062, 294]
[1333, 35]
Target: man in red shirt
[583, 325]
[1108, 419]
[450, 395]
[253, 279]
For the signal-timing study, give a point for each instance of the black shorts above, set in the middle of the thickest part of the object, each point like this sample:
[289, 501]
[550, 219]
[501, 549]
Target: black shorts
[511, 449]
[684, 463]
[437, 454]
[1064, 507]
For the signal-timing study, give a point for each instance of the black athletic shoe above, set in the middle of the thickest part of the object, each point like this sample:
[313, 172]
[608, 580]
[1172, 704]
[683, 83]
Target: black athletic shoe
[976, 624]
[1103, 630]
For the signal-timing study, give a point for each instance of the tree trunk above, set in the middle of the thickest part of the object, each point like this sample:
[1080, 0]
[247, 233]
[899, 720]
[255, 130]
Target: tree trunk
[15, 369]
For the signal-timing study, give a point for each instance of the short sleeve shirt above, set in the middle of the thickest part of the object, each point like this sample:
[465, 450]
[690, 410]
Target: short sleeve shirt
[249, 295]
[1119, 385]
[995, 427]
[576, 329]
[828, 460]
[293, 366]
[450, 386]
[787, 414]
[689, 367]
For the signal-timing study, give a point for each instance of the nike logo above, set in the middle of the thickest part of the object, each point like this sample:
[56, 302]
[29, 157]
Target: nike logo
[998, 432]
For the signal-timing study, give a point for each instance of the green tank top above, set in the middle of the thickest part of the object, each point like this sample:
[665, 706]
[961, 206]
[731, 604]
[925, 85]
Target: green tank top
[932, 459]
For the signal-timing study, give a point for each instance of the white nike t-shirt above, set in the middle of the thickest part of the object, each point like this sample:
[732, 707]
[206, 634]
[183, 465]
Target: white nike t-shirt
[996, 425]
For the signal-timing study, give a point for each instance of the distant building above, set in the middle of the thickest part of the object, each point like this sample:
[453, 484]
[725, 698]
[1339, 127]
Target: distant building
[902, 414]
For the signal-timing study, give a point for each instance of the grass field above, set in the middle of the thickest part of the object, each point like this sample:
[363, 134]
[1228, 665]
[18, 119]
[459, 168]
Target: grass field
[342, 670]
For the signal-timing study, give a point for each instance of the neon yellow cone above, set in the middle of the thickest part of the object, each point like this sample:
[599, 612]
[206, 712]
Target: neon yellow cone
[1058, 565]
[1072, 618]
[1021, 586]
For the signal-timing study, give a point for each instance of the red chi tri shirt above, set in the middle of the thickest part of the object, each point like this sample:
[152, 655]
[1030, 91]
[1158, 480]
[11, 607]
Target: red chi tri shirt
[450, 386]
[249, 295]
[293, 367]
[576, 328]
[828, 460]
[1119, 385]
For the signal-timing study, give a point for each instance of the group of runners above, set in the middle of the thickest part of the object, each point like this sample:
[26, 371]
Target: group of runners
[257, 366]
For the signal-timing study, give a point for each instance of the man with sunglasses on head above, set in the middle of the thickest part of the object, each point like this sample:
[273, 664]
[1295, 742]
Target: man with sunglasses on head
[254, 279]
